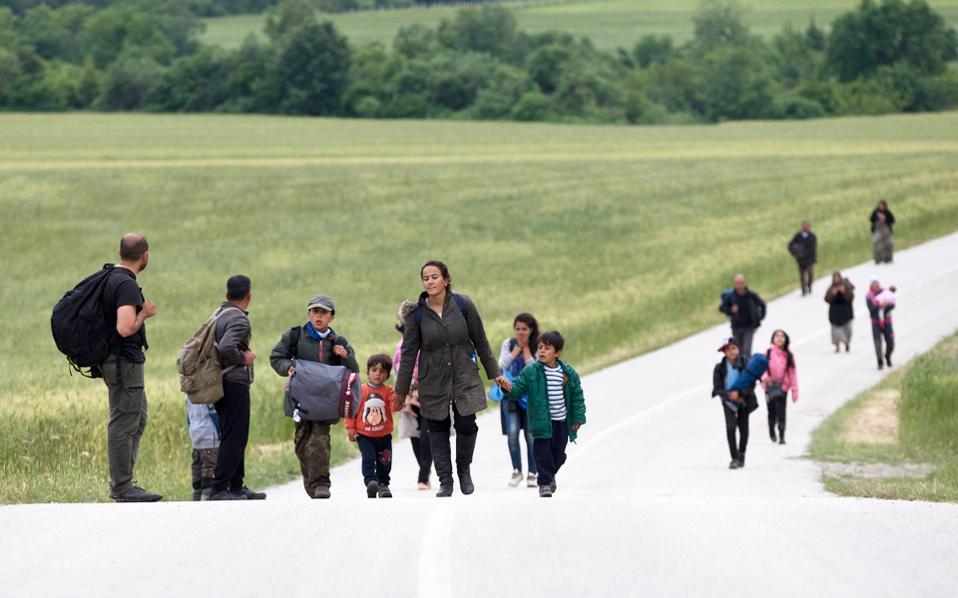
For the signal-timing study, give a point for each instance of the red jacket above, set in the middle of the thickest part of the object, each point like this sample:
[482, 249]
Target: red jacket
[374, 415]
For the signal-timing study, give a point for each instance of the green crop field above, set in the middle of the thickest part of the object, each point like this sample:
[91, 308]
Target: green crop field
[621, 237]
[609, 23]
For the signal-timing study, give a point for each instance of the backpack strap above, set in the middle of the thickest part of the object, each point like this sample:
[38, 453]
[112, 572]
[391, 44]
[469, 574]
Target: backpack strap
[294, 334]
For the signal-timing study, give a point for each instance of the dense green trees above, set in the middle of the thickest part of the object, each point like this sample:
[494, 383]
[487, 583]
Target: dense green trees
[885, 56]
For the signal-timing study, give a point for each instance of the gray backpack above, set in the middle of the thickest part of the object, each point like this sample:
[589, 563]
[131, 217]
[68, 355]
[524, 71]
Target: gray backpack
[320, 392]
[198, 363]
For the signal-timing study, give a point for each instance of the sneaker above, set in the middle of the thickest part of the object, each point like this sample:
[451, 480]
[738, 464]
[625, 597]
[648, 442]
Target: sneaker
[781, 440]
[545, 491]
[227, 495]
[250, 495]
[532, 481]
[516, 478]
[553, 486]
[771, 434]
[384, 492]
[888, 360]
[321, 492]
[135, 494]
[733, 464]
[372, 489]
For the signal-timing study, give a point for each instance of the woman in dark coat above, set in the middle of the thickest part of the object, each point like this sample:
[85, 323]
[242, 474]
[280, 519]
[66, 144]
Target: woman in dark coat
[446, 331]
[840, 311]
[883, 238]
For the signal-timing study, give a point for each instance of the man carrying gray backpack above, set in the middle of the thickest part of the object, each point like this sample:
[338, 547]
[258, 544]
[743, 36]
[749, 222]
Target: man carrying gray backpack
[232, 344]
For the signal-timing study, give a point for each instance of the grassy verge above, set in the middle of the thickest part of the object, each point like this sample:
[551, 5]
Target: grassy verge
[927, 418]
[620, 237]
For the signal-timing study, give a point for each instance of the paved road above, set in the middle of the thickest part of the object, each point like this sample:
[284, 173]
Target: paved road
[646, 505]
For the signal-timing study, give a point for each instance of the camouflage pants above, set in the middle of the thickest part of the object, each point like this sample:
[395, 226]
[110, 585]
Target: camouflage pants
[313, 450]
[204, 463]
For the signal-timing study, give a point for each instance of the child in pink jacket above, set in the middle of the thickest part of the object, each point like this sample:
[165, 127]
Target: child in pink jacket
[780, 378]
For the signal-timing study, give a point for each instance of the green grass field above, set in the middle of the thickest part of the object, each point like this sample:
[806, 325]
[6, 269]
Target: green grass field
[621, 237]
[927, 410]
[609, 24]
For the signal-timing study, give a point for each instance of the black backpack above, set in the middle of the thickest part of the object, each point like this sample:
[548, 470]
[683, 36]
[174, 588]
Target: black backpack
[80, 327]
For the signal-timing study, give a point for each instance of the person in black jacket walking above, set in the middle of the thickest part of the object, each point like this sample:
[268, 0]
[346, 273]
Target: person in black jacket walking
[444, 330]
[736, 413]
[883, 234]
[745, 310]
[840, 311]
[803, 247]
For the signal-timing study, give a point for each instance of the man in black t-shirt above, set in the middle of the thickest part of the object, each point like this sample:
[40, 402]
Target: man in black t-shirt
[127, 311]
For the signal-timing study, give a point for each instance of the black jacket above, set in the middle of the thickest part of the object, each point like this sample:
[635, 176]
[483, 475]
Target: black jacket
[804, 249]
[889, 219]
[840, 310]
[718, 382]
[751, 309]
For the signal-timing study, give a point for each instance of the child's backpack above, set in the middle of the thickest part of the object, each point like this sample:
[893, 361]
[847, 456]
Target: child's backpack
[198, 363]
[320, 392]
[80, 327]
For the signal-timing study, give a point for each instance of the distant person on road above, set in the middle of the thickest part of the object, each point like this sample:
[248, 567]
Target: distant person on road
[204, 427]
[883, 237]
[556, 407]
[372, 427]
[803, 247]
[127, 310]
[745, 310]
[840, 311]
[724, 376]
[780, 378]
[233, 334]
[444, 331]
[880, 304]
[313, 341]
[516, 353]
[412, 412]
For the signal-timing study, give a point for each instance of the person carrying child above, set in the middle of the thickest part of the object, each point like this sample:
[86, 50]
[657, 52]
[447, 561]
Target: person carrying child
[204, 424]
[313, 341]
[371, 428]
[880, 303]
[733, 381]
[555, 410]
[781, 377]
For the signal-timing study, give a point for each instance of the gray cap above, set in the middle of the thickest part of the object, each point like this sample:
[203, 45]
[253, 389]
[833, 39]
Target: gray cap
[323, 301]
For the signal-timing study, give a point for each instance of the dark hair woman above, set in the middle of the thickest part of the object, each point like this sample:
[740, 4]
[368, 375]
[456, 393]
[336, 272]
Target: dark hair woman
[518, 351]
[445, 330]
[883, 238]
[840, 311]
[780, 378]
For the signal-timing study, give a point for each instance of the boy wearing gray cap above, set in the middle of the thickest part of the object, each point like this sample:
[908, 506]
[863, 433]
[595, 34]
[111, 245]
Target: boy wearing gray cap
[313, 341]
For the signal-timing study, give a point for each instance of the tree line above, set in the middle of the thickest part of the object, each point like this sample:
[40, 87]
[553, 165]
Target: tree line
[887, 56]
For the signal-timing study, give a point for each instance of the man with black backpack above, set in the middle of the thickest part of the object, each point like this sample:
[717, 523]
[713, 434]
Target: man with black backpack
[126, 310]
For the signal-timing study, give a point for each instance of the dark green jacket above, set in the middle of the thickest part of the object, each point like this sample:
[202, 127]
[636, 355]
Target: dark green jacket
[532, 382]
[311, 350]
[446, 369]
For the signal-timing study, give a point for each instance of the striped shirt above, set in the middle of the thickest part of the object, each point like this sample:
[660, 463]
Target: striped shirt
[554, 378]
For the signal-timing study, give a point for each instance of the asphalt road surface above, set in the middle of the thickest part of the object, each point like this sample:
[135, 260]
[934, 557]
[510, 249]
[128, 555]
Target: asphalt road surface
[646, 505]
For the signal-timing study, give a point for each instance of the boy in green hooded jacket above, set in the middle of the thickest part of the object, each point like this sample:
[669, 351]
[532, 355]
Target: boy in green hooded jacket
[556, 407]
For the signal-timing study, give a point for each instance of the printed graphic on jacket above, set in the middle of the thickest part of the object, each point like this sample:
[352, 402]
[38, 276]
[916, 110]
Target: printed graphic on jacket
[374, 416]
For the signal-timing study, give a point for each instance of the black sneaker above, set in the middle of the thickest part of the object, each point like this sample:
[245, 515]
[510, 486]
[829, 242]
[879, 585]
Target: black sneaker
[545, 491]
[136, 494]
[384, 492]
[733, 464]
[227, 495]
[781, 440]
[888, 360]
[250, 495]
[445, 491]
[372, 489]
[771, 434]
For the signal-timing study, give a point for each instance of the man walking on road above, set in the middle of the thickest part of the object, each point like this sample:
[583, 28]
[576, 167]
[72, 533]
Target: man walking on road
[125, 308]
[803, 247]
[232, 342]
[745, 310]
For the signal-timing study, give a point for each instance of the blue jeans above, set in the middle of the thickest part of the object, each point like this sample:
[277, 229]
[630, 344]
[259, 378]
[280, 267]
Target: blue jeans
[513, 423]
[377, 458]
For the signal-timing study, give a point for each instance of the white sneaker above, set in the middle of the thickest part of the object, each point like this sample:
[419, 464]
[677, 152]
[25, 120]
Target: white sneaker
[516, 478]
[532, 481]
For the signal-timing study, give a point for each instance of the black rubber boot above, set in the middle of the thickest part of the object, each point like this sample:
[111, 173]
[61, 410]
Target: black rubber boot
[442, 457]
[465, 447]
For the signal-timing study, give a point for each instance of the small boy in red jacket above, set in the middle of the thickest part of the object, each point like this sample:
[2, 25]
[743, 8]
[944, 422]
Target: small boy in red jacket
[372, 427]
